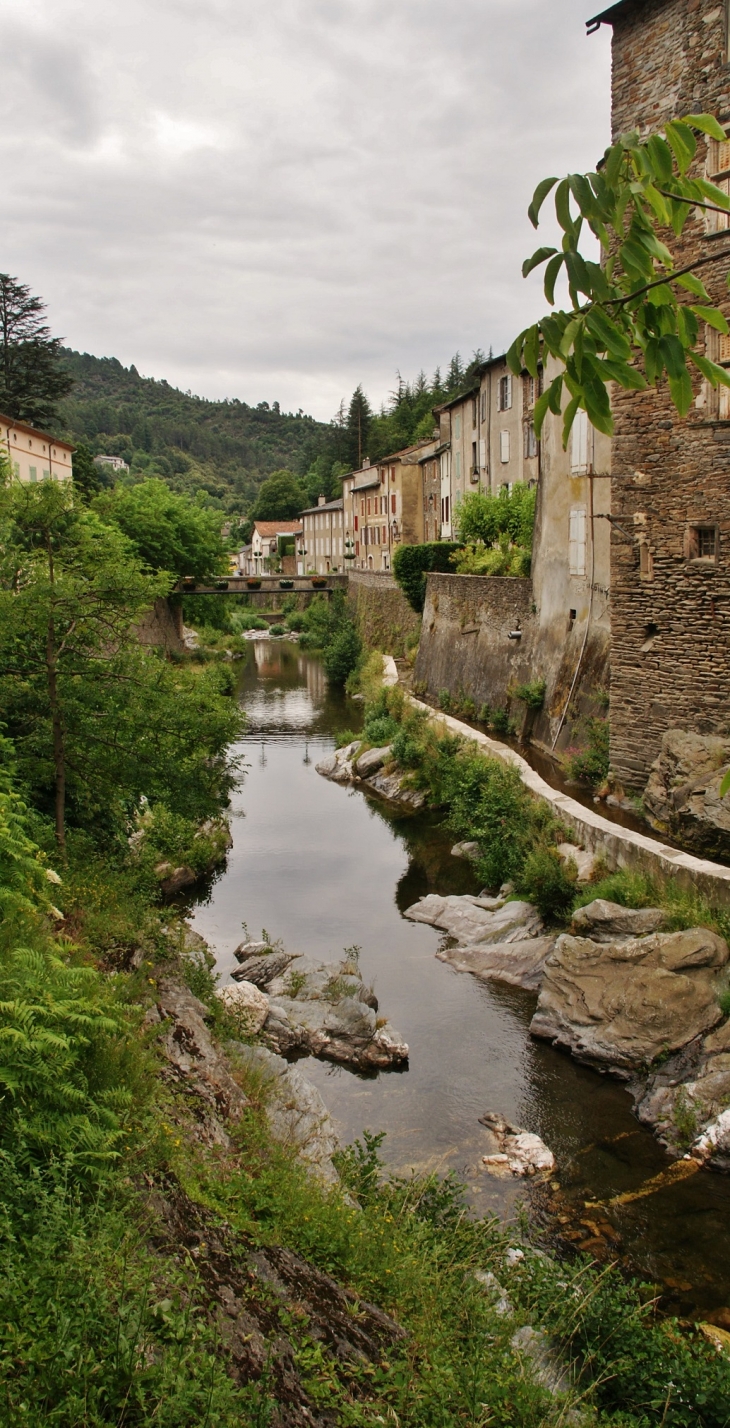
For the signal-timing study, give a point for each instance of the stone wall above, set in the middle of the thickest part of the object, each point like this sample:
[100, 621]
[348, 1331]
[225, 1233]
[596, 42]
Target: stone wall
[670, 609]
[381, 612]
[162, 625]
[465, 645]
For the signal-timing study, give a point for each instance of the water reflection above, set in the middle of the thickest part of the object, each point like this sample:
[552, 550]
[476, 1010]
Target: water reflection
[324, 867]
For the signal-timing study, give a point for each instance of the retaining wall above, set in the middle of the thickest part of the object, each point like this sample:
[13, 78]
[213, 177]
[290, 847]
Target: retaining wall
[380, 610]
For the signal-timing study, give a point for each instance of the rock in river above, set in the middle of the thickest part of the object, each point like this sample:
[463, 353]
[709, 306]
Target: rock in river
[520, 964]
[618, 1005]
[609, 922]
[517, 1152]
[477, 919]
[682, 796]
[325, 1009]
[344, 766]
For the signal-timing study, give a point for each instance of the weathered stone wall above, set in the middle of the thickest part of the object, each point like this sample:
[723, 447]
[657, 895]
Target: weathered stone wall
[670, 611]
[465, 645]
[381, 612]
[162, 625]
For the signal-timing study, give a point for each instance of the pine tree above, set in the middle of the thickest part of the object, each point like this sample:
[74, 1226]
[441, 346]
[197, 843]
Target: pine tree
[32, 377]
[455, 374]
[359, 418]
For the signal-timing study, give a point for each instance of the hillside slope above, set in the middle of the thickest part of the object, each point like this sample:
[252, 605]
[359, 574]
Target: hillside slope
[224, 448]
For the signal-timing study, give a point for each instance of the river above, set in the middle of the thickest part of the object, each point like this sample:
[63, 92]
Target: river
[323, 868]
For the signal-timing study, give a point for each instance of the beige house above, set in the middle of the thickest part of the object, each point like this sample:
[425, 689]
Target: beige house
[383, 507]
[34, 455]
[322, 547]
[265, 544]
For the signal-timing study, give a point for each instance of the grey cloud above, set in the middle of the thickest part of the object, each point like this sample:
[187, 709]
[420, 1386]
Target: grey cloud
[356, 202]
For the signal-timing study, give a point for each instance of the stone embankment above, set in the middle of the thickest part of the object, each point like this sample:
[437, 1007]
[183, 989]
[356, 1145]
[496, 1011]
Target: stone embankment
[620, 995]
[375, 770]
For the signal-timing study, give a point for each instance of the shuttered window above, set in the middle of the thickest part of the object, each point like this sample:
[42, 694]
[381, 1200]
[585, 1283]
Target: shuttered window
[504, 447]
[505, 393]
[581, 445]
[577, 541]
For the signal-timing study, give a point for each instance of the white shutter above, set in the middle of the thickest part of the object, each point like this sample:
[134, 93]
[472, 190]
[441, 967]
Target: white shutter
[508, 403]
[504, 447]
[458, 466]
[577, 541]
[483, 454]
[581, 445]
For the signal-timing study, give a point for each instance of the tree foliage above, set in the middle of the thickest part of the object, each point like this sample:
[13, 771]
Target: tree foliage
[168, 531]
[281, 497]
[411, 564]
[483, 517]
[636, 317]
[33, 378]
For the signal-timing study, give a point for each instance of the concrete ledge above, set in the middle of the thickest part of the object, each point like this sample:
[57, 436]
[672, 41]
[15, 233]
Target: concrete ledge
[619, 848]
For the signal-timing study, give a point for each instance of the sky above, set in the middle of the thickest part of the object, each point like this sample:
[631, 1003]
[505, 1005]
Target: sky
[278, 199]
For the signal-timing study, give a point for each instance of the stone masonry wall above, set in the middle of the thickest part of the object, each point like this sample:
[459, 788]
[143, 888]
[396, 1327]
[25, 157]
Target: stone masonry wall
[465, 645]
[381, 612]
[670, 620]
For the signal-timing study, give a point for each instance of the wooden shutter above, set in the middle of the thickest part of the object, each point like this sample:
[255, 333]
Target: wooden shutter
[504, 447]
[581, 444]
[577, 541]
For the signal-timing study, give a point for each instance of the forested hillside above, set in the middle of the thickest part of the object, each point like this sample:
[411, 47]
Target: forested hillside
[225, 448]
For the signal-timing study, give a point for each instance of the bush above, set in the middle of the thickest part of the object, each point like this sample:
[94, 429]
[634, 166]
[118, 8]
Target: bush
[483, 518]
[502, 559]
[342, 654]
[548, 882]
[591, 763]
[411, 564]
[295, 621]
[380, 729]
[532, 695]
[277, 629]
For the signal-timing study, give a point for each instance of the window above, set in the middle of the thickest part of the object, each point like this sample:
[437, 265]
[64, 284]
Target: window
[577, 541]
[528, 391]
[505, 393]
[368, 507]
[581, 445]
[458, 466]
[484, 406]
[483, 454]
[357, 523]
[504, 447]
[444, 510]
[473, 411]
[718, 170]
[392, 502]
[701, 543]
[362, 508]
[530, 440]
[33, 473]
[474, 457]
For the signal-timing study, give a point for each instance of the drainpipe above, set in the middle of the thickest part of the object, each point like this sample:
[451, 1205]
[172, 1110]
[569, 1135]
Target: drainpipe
[588, 621]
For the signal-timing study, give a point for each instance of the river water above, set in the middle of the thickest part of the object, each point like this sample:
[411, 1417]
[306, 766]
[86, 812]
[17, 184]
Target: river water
[324, 867]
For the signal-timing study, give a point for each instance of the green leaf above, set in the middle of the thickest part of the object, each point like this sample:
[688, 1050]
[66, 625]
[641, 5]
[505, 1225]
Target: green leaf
[681, 390]
[608, 334]
[612, 164]
[661, 296]
[531, 350]
[569, 418]
[628, 377]
[673, 355]
[555, 394]
[653, 361]
[682, 142]
[687, 326]
[578, 275]
[660, 156]
[582, 193]
[635, 259]
[716, 376]
[542, 406]
[693, 285]
[562, 207]
[514, 355]
[725, 785]
[569, 336]
[538, 198]
[707, 124]
[537, 258]
[712, 316]
[551, 276]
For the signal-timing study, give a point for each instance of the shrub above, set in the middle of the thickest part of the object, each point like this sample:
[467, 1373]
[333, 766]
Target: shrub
[481, 517]
[277, 629]
[341, 654]
[499, 721]
[591, 764]
[502, 559]
[380, 729]
[406, 751]
[411, 564]
[533, 694]
[295, 621]
[548, 882]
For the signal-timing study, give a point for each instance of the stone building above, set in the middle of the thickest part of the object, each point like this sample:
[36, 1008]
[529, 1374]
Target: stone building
[265, 547]
[34, 455]
[384, 506]
[670, 502]
[321, 547]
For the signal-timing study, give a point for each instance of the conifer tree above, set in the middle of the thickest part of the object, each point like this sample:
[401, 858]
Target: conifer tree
[359, 418]
[32, 377]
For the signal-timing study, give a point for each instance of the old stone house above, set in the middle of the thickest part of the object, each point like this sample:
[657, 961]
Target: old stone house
[321, 547]
[265, 540]
[670, 501]
[384, 506]
[34, 455]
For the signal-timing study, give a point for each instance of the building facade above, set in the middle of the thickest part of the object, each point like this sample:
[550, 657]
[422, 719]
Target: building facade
[264, 551]
[384, 506]
[34, 455]
[321, 547]
[670, 502]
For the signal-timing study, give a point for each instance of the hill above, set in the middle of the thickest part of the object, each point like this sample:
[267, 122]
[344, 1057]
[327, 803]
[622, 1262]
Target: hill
[223, 448]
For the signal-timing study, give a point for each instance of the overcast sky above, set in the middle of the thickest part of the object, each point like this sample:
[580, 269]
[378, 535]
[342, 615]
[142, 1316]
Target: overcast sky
[277, 199]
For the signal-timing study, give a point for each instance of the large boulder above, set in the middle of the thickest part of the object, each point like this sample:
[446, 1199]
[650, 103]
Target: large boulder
[519, 964]
[685, 1101]
[682, 796]
[618, 1005]
[394, 787]
[247, 1005]
[325, 1009]
[609, 922]
[339, 764]
[470, 921]
[516, 1151]
[263, 970]
[372, 761]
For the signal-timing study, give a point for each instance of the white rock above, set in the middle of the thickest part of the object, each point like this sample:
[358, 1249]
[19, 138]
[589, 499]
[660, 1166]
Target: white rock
[372, 761]
[247, 1004]
[715, 1135]
[584, 861]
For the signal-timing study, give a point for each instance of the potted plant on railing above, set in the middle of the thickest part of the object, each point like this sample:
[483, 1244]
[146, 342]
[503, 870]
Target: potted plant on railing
[189, 585]
[286, 584]
[253, 582]
[221, 584]
[319, 582]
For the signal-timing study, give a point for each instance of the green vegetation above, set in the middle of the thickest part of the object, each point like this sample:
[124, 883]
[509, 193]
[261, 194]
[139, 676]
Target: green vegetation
[636, 317]
[496, 532]
[589, 763]
[327, 626]
[168, 531]
[532, 695]
[411, 564]
[32, 377]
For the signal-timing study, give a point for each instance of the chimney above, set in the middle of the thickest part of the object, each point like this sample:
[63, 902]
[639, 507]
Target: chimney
[321, 500]
[365, 462]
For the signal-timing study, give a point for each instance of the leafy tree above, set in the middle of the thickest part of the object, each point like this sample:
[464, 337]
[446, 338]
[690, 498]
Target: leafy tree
[96, 719]
[168, 531]
[86, 475]
[483, 517]
[411, 564]
[638, 316]
[32, 377]
[281, 497]
[359, 419]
